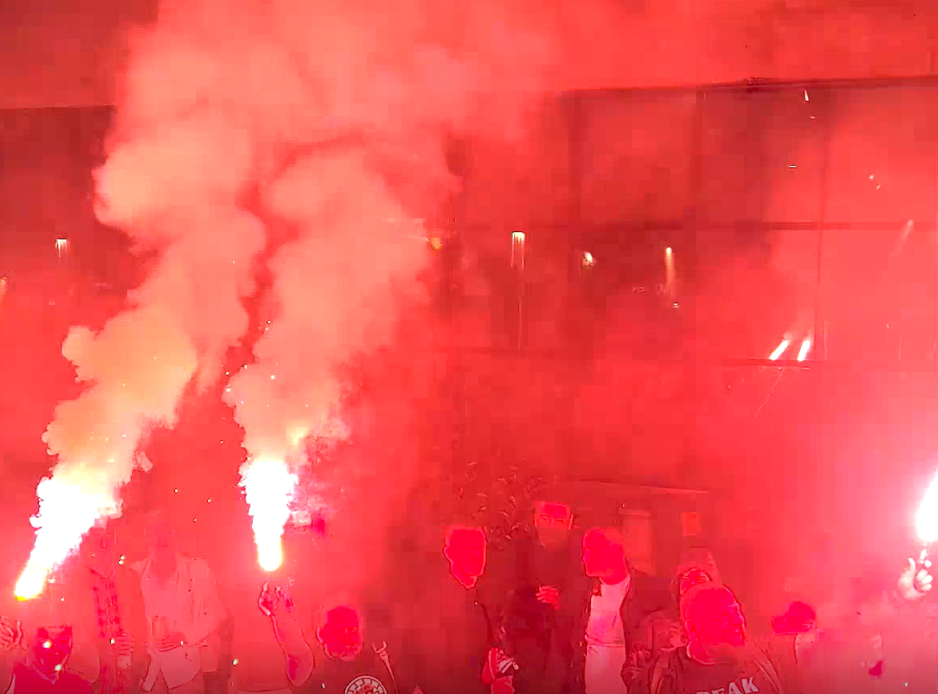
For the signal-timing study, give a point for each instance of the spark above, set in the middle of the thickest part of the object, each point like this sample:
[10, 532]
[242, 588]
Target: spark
[780, 350]
[588, 259]
[806, 95]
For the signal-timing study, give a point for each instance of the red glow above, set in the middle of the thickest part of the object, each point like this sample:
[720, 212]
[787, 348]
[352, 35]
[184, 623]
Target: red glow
[551, 514]
[341, 635]
[604, 556]
[799, 618]
[692, 577]
[712, 618]
[553, 521]
[465, 550]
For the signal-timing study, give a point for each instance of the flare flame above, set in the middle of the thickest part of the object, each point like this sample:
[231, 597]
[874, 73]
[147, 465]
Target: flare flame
[268, 488]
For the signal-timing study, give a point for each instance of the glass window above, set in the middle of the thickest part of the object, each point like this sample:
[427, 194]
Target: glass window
[879, 294]
[523, 182]
[754, 289]
[626, 298]
[884, 155]
[762, 154]
[635, 156]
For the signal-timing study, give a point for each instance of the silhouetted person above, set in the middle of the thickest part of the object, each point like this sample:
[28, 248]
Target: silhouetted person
[662, 630]
[42, 669]
[448, 631]
[113, 590]
[550, 566]
[357, 658]
[298, 661]
[183, 611]
[529, 661]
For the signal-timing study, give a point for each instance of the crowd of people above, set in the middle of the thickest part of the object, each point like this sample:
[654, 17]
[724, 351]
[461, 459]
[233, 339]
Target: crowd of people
[558, 612]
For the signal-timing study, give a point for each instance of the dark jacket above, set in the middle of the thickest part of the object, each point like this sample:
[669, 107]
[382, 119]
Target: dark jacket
[530, 566]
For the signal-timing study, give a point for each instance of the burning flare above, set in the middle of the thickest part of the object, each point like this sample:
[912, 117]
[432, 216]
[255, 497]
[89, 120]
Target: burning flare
[66, 512]
[780, 350]
[268, 488]
[805, 349]
[135, 370]
[926, 520]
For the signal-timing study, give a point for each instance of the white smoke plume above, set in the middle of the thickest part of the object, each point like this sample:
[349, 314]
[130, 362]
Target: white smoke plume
[322, 125]
[363, 116]
[179, 322]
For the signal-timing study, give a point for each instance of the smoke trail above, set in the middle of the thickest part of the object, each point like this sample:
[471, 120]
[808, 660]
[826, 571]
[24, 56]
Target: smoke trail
[364, 159]
[173, 186]
[326, 122]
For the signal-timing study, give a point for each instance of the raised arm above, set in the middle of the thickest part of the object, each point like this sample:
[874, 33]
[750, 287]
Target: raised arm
[296, 651]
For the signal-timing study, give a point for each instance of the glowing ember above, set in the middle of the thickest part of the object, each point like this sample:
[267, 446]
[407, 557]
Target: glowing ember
[66, 513]
[926, 521]
[805, 348]
[268, 488]
[780, 350]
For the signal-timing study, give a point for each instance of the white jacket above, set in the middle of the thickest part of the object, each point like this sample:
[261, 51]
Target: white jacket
[196, 611]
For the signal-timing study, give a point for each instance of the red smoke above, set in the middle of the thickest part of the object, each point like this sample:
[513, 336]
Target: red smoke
[316, 130]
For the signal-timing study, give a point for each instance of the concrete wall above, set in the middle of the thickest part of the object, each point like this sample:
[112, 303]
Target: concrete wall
[67, 53]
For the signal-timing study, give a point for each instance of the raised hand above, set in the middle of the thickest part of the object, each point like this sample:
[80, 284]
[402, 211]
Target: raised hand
[549, 595]
[915, 581]
[11, 634]
[269, 600]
